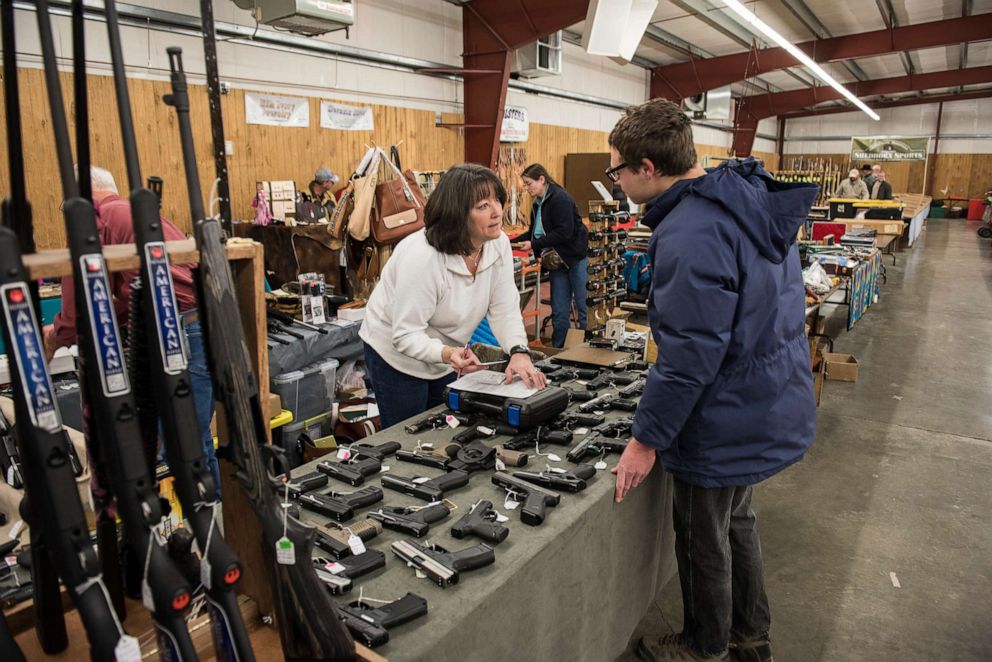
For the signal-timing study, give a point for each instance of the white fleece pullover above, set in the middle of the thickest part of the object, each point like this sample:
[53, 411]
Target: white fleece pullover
[426, 299]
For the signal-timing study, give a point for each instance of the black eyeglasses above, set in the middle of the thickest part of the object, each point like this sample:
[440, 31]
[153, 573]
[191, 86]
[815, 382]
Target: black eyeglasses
[613, 174]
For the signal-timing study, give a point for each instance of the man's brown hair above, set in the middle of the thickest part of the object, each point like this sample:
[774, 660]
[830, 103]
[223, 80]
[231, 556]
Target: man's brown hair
[656, 130]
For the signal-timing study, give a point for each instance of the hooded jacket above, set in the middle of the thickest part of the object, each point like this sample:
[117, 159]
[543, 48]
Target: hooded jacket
[730, 400]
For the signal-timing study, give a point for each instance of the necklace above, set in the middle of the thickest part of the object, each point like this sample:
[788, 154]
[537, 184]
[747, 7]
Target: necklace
[478, 256]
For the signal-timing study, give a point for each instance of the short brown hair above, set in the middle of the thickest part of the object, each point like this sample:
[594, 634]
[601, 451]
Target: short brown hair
[446, 215]
[656, 130]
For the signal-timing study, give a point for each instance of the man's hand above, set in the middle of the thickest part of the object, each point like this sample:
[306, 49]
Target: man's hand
[524, 246]
[520, 364]
[634, 466]
[48, 335]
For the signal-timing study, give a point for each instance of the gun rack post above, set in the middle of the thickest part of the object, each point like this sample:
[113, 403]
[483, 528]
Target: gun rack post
[241, 529]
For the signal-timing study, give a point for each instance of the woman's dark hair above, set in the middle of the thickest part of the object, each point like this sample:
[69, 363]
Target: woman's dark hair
[446, 213]
[535, 171]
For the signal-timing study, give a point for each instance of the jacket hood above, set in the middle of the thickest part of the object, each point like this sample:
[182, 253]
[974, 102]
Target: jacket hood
[769, 212]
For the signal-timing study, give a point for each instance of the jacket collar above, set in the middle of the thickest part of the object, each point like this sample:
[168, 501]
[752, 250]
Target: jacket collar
[662, 205]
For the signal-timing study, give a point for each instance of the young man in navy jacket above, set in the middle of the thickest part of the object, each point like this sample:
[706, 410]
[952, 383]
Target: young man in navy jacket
[730, 401]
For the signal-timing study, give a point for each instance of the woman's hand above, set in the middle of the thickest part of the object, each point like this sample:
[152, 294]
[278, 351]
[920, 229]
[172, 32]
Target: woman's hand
[521, 365]
[462, 359]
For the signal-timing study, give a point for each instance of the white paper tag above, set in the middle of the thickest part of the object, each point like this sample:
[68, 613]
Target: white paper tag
[557, 470]
[599, 412]
[384, 468]
[452, 421]
[344, 454]
[419, 574]
[127, 649]
[285, 551]
[500, 518]
[486, 431]
[580, 431]
[356, 544]
[553, 457]
[10, 475]
[420, 480]
[510, 504]
[11, 561]
[146, 596]
[425, 444]
[15, 530]
[600, 465]
[205, 573]
[500, 465]
[334, 568]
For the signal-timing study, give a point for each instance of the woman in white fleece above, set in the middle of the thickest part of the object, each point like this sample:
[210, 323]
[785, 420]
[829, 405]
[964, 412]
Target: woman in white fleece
[436, 288]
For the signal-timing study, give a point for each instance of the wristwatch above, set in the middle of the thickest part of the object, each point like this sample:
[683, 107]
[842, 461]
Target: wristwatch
[519, 349]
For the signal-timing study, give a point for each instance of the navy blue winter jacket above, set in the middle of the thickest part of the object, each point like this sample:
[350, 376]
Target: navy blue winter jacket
[730, 399]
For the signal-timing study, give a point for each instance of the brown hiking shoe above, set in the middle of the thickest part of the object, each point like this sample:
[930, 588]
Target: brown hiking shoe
[756, 650]
[671, 648]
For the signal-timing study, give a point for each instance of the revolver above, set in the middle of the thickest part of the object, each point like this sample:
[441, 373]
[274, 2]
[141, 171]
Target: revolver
[440, 565]
[536, 499]
[480, 521]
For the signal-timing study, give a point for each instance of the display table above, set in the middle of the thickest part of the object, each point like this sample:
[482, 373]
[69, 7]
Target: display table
[292, 250]
[571, 589]
[915, 214]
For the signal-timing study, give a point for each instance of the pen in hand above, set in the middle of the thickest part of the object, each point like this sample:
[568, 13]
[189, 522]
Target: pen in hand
[465, 350]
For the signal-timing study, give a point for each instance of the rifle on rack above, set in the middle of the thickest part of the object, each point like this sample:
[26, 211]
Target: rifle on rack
[156, 343]
[112, 427]
[47, 602]
[308, 620]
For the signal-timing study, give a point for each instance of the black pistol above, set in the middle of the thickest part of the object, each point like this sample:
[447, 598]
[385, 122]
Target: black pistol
[371, 625]
[536, 499]
[415, 521]
[428, 457]
[351, 472]
[427, 489]
[338, 575]
[379, 452]
[569, 481]
[340, 506]
[481, 522]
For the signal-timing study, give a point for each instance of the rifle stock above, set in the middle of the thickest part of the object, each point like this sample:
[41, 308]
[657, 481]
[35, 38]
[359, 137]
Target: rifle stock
[112, 428]
[171, 385]
[308, 620]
